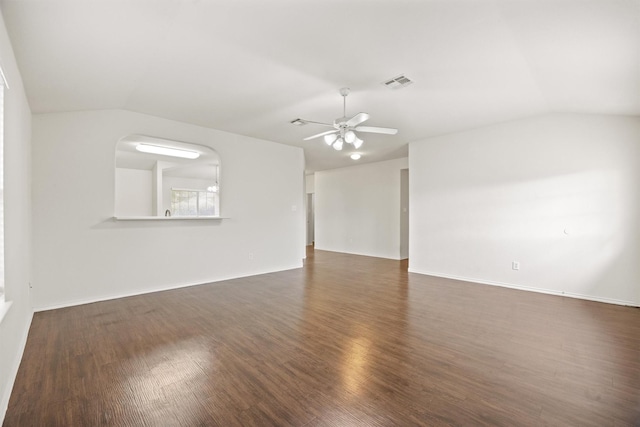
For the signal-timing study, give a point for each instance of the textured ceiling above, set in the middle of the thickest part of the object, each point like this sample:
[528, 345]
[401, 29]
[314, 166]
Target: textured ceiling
[251, 66]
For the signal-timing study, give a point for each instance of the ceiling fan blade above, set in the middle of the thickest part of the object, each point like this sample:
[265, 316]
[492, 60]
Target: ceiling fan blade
[357, 119]
[373, 129]
[318, 135]
[316, 123]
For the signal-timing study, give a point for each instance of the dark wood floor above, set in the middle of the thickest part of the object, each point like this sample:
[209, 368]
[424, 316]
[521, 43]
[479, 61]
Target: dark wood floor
[345, 341]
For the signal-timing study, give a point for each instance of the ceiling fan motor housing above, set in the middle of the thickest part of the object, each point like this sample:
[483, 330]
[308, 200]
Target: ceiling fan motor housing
[340, 123]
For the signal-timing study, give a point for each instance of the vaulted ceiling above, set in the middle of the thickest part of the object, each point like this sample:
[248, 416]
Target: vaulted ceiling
[252, 66]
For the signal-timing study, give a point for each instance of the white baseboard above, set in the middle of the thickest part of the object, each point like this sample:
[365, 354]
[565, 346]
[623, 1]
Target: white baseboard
[370, 255]
[72, 303]
[528, 288]
[13, 372]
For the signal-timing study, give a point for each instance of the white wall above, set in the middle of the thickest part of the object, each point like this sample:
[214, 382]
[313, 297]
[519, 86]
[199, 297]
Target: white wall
[310, 181]
[133, 192]
[357, 209]
[559, 193]
[81, 254]
[17, 220]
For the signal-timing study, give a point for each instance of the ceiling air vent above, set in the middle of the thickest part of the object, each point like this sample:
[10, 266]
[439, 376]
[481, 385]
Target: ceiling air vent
[398, 82]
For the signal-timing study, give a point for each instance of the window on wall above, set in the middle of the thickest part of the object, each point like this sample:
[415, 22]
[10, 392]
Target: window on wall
[186, 202]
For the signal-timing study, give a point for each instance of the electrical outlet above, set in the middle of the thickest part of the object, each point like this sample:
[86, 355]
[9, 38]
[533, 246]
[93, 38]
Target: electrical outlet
[515, 265]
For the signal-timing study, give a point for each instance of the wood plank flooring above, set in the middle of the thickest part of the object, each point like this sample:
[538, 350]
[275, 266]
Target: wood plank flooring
[345, 341]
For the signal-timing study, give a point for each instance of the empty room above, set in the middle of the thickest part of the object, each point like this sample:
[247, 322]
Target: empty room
[320, 213]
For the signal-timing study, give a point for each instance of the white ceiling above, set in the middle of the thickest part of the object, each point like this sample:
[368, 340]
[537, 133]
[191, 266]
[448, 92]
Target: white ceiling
[251, 66]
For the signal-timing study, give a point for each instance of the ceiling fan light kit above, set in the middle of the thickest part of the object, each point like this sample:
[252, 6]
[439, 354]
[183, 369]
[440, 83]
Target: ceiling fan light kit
[330, 139]
[350, 136]
[344, 129]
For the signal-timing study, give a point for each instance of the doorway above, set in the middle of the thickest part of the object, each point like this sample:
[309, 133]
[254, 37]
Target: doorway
[404, 213]
[310, 218]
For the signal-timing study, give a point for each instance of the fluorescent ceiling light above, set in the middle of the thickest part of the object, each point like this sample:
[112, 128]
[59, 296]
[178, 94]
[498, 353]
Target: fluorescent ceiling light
[167, 151]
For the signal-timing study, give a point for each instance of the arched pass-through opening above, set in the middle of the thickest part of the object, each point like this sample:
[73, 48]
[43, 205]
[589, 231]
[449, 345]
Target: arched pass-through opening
[161, 178]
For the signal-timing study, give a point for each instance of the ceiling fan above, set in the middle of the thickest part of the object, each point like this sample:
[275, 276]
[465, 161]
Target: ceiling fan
[344, 129]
